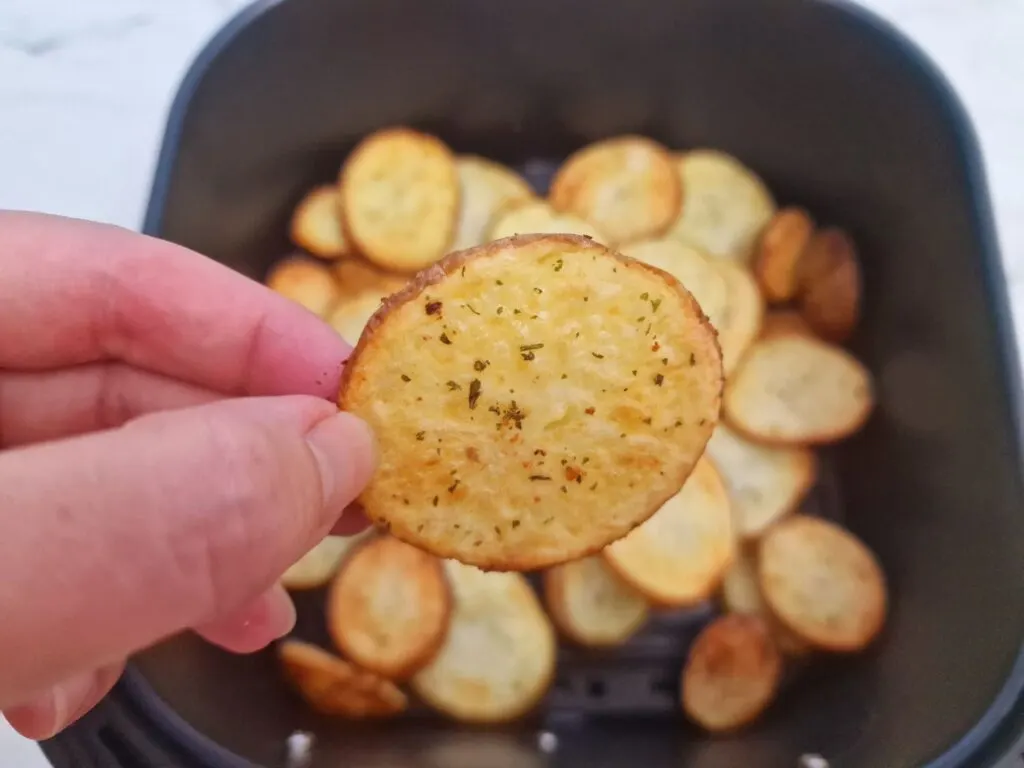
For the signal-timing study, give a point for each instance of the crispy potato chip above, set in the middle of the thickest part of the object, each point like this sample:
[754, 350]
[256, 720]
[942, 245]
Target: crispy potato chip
[626, 185]
[486, 187]
[797, 390]
[581, 383]
[498, 658]
[389, 607]
[315, 568]
[741, 593]
[539, 218]
[822, 583]
[332, 686]
[777, 257]
[361, 289]
[400, 198]
[764, 483]
[305, 282]
[696, 272]
[830, 285]
[725, 205]
[732, 673]
[591, 605]
[740, 323]
[678, 557]
[316, 223]
[780, 322]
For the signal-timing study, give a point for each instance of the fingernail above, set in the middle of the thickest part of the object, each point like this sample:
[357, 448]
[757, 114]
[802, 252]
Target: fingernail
[48, 713]
[272, 616]
[346, 451]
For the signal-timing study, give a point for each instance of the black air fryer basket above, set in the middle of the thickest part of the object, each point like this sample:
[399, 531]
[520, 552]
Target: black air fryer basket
[840, 114]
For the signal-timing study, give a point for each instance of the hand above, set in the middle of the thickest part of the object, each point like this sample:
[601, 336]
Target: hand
[169, 445]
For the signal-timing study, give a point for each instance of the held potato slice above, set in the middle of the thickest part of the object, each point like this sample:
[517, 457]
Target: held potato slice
[332, 686]
[796, 390]
[830, 285]
[498, 658]
[581, 383]
[678, 557]
[764, 483]
[626, 185]
[316, 223]
[741, 593]
[591, 605]
[740, 322]
[822, 583]
[538, 217]
[486, 187]
[725, 205]
[689, 266]
[388, 607]
[400, 198]
[315, 568]
[305, 282]
[732, 673]
[777, 258]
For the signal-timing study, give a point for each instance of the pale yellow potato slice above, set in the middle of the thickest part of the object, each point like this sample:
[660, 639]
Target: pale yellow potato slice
[537, 217]
[591, 605]
[304, 281]
[486, 187]
[316, 223]
[740, 323]
[315, 568]
[741, 593]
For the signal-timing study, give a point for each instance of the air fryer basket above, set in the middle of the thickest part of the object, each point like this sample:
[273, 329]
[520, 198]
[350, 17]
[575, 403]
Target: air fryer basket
[838, 113]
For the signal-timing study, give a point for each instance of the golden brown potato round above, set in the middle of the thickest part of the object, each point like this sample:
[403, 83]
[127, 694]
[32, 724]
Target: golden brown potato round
[316, 223]
[777, 257]
[830, 285]
[581, 383]
[591, 605]
[305, 282]
[741, 593]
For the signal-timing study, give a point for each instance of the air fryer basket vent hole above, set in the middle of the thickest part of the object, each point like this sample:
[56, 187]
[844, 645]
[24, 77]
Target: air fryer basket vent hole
[124, 754]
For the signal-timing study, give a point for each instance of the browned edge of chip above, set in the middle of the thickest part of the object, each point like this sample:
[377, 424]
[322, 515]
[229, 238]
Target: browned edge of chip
[554, 597]
[830, 285]
[778, 252]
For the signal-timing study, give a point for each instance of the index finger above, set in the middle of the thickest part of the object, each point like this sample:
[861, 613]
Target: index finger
[74, 292]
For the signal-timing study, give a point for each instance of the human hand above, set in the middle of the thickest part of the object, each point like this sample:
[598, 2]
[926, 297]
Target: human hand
[168, 447]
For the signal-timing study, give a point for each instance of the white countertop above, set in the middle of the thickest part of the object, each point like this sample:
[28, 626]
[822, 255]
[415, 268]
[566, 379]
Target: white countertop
[85, 86]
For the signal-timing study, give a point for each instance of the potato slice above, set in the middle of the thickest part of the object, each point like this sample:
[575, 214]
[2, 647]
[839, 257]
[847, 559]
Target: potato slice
[332, 686]
[581, 383]
[822, 583]
[732, 673]
[777, 258]
[591, 605]
[678, 557]
[361, 287]
[350, 316]
[400, 198]
[305, 282]
[539, 218]
[389, 607]
[740, 323]
[315, 568]
[780, 322]
[830, 285]
[725, 205]
[689, 266]
[486, 188]
[764, 483]
[626, 185]
[316, 223]
[498, 658]
[741, 593]
[797, 390]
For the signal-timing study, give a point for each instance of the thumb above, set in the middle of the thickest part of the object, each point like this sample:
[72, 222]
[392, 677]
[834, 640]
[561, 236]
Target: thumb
[118, 539]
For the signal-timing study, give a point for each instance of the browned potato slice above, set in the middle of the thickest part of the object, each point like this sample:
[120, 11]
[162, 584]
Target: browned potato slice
[498, 658]
[732, 673]
[315, 568]
[591, 605]
[581, 383]
[797, 390]
[830, 285]
[725, 205]
[741, 593]
[740, 323]
[332, 686]
[537, 217]
[389, 607]
[780, 322]
[678, 557]
[486, 188]
[316, 223]
[764, 483]
[305, 282]
[626, 185]
[777, 258]
[400, 198]
[822, 583]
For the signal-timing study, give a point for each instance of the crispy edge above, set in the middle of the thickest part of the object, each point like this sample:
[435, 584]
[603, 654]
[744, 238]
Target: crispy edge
[554, 586]
[708, 641]
[451, 264]
[778, 252]
[300, 224]
[830, 285]
[338, 622]
[388, 262]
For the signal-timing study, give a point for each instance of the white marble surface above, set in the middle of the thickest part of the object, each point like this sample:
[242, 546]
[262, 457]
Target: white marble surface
[85, 86]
